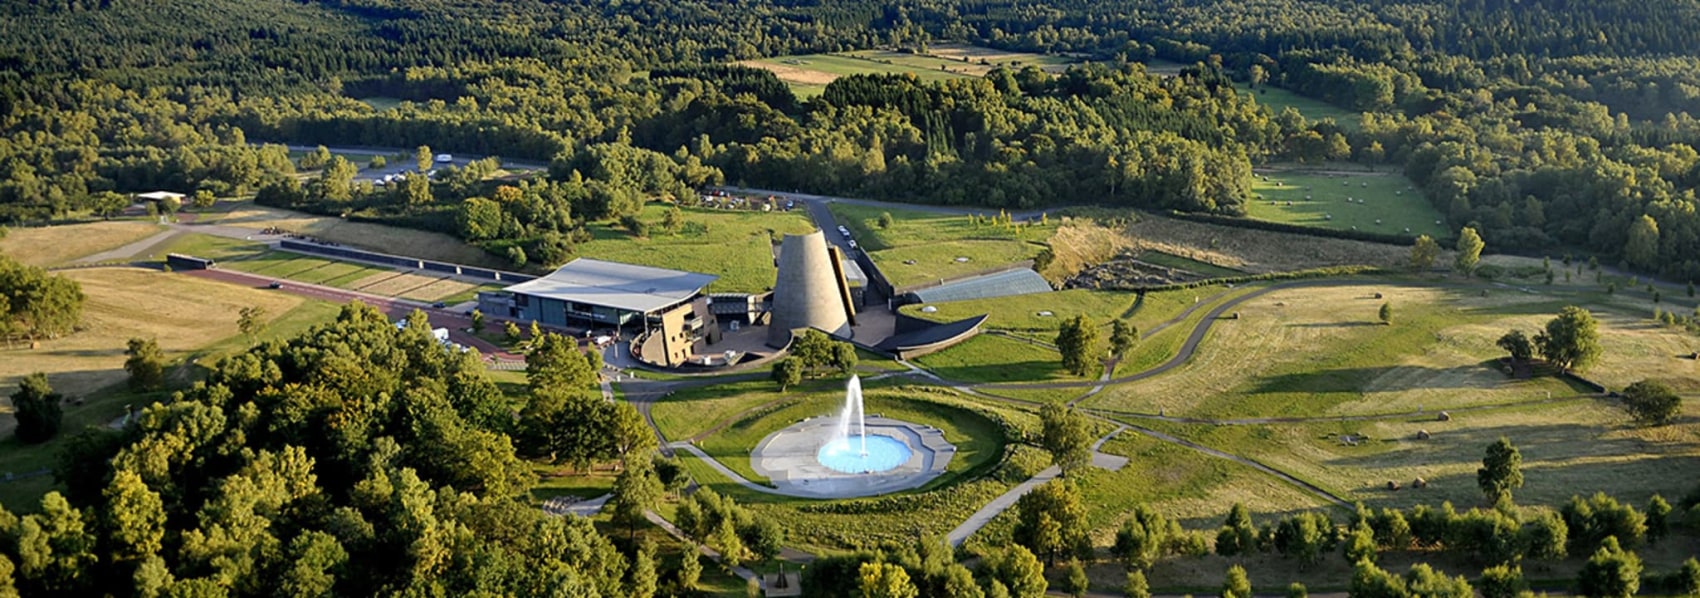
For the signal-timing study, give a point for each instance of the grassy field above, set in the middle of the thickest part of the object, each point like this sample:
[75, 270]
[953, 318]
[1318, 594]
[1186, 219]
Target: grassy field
[1190, 265]
[690, 412]
[992, 358]
[191, 318]
[55, 245]
[923, 247]
[374, 237]
[737, 245]
[1278, 99]
[1391, 204]
[380, 103]
[1319, 351]
[1260, 251]
[808, 74]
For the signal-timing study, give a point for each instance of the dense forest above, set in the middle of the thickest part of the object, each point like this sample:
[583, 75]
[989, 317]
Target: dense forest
[1548, 125]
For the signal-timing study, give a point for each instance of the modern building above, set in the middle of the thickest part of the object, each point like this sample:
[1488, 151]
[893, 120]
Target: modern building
[811, 290]
[667, 307]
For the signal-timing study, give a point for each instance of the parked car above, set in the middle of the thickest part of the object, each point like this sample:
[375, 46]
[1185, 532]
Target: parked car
[445, 158]
[439, 305]
[275, 285]
[852, 243]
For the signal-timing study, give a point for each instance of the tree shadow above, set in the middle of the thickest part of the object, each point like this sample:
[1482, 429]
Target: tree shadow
[1335, 325]
[1018, 371]
[1407, 378]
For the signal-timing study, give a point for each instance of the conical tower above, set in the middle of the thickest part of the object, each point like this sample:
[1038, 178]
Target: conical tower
[810, 291]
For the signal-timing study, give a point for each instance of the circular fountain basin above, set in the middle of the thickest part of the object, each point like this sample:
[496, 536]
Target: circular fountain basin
[850, 455]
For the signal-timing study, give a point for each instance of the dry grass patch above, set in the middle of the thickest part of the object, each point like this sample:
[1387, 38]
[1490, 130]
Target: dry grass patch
[1079, 244]
[1320, 351]
[374, 237]
[183, 312]
[1258, 251]
[55, 245]
[792, 74]
[395, 285]
[446, 287]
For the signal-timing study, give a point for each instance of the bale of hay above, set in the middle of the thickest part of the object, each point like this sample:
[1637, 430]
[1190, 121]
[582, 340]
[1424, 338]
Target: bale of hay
[1392, 485]
[1422, 435]
[1444, 416]
[1419, 483]
[1378, 295]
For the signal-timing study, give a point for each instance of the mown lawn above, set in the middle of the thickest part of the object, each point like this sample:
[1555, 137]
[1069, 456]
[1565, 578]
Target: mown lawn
[992, 358]
[922, 247]
[1321, 201]
[737, 245]
[1278, 99]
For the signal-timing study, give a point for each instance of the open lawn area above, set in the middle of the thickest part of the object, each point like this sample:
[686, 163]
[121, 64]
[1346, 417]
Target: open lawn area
[190, 317]
[1391, 204]
[736, 245]
[1278, 99]
[922, 247]
[808, 74]
[993, 358]
[1261, 251]
[1577, 446]
[48, 246]
[1320, 351]
[374, 237]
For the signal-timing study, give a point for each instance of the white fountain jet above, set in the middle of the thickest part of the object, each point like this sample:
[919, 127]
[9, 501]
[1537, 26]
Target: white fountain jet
[853, 407]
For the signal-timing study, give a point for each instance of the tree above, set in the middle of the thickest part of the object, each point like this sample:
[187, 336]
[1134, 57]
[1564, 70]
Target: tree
[555, 361]
[1237, 535]
[635, 491]
[511, 331]
[1360, 544]
[1077, 340]
[1386, 313]
[1501, 470]
[1297, 590]
[645, 580]
[1503, 581]
[37, 409]
[1051, 519]
[765, 538]
[1136, 586]
[1518, 345]
[1019, 571]
[727, 541]
[168, 206]
[690, 570]
[146, 364]
[1424, 253]
[886, 221]
[1611, 573]
[1067, 435]
[477, 320]
[1642, 247]
[1076, 583]
[1571, 340]
[204, 199]
[1122, 336]
[1236, 585]
[787, 372]
[885, 580]
[673, 220]
[1423, 581]
[1469, 250]
[422, 158]
[1658, 515]
[250, 321]
[1687, 582]
[1370, 581]
[1651, 402]
[535, 332]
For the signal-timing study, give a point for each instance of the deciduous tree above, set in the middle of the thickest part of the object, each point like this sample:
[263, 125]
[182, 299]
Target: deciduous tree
[1077, 340]
[1501, 470]
[1571, 340]
[146, 364]
[1469, 250]
[37, 409]
[1651, 402]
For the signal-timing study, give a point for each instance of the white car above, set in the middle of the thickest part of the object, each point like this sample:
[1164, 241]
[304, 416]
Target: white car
[852, 243]
[445, 158]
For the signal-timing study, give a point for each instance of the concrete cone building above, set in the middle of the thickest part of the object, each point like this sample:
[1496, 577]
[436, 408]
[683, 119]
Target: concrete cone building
[810, 291]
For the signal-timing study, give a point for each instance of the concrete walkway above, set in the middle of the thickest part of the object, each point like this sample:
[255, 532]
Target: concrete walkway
[731, 475]
[128, 251]
[1008, 499]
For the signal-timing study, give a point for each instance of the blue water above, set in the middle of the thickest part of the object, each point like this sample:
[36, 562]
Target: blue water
[845, 455]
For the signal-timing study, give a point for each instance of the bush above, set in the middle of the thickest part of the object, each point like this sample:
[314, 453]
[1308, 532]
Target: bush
[1651, 402]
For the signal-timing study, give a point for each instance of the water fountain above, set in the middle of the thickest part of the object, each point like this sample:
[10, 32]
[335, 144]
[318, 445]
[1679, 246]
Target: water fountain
[860, 453]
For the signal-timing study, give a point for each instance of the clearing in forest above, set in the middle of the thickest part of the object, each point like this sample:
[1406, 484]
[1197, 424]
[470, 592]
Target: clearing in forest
[1372, 202]
[808, 74]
